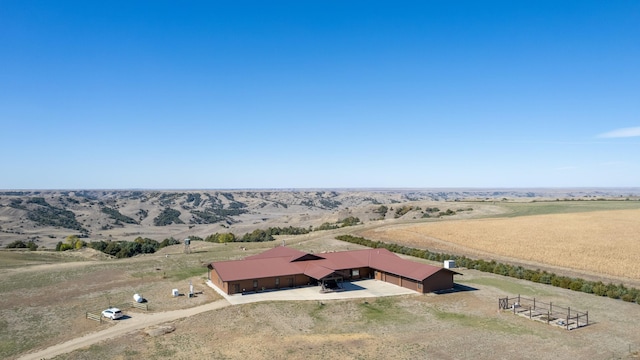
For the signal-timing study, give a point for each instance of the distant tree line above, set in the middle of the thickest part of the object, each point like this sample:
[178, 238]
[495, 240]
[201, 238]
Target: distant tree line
[611, 290]
[260, 235]
[119, 249]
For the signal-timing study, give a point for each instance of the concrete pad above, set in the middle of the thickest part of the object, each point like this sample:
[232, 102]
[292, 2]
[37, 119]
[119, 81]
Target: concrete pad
[350, 290]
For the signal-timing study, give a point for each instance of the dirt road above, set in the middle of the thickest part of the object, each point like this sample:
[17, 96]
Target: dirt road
[134, 323]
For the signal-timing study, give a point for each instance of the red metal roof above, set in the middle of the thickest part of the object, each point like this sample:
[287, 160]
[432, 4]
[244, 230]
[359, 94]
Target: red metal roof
[279, 251]
[317, 272]
[283, 261]
[257, 268]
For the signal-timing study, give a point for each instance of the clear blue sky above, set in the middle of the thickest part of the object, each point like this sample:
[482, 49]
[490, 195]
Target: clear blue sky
[307, 94]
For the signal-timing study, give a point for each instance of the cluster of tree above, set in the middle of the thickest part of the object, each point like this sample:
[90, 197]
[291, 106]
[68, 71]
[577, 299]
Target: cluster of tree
[429, 214]
[205, 217]
[119, 249]
[72, 242]
[349, 221]
[168, 216]
[196, 199]
[212, 215]
[323, 203]
[257, 235]
[329, 204]
[614, 291]
[53, 216]
[221, 238]
[17, 204]
[19, 244]
[327, 226]
[115, 214]
[260, 235]
[372, 200]
[168, 199]
[403, 210]
[142, 214]
[38, 201]
[382, 210]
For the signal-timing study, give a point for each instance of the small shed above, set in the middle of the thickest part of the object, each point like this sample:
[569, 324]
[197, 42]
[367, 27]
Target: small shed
[449, 264]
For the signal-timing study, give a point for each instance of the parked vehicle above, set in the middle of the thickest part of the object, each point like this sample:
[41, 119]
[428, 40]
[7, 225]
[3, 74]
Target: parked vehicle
[112, 313]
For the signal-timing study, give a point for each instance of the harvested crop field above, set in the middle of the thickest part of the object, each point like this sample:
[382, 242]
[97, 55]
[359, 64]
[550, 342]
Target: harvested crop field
[601, 242]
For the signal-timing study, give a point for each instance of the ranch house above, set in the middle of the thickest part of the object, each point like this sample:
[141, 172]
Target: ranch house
[283, 267]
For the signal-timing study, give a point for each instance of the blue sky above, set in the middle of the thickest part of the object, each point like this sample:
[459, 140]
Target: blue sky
[319, 94]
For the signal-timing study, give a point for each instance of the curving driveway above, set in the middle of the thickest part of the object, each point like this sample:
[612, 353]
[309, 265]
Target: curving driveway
[134, 323]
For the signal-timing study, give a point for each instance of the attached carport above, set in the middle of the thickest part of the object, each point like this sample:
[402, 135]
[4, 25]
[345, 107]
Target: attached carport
[323, 275]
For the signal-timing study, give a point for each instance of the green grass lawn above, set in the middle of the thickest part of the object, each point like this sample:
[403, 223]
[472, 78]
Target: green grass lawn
[509, 286]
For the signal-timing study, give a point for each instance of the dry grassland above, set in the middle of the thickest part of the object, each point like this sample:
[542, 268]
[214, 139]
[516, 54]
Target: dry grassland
[602, 242]
[44, 298]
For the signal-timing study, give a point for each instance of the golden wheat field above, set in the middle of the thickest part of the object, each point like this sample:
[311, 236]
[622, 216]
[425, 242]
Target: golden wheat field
[603, 242]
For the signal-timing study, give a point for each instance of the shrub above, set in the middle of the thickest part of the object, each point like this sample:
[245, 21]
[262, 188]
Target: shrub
[587, 287]
[221, 238]
[168, 242]
[599, 289]
[576, 285]
[627, 298]
[18, 244]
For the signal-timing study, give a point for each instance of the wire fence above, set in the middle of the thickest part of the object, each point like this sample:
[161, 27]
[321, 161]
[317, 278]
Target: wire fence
[552, 314]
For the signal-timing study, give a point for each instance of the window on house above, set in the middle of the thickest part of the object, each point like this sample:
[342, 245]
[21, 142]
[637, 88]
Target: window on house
[355, 272]
[419, 286]
[255, 283]
[277, 281]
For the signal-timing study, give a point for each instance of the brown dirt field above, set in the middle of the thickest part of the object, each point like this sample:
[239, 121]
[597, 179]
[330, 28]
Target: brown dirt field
[603, 243]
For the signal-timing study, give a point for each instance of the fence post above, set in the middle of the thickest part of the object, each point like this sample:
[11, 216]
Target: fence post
[529, 312]
[548, 316]
[568, 316]
[534, 303]
[550, 307]
[587, 314]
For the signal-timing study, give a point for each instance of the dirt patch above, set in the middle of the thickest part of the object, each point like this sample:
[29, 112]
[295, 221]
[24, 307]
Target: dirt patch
[159, 330]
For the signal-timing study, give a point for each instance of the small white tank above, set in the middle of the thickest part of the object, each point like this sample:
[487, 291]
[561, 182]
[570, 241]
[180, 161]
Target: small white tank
[137, 298]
